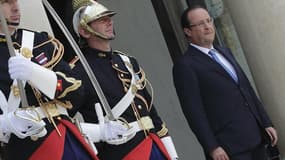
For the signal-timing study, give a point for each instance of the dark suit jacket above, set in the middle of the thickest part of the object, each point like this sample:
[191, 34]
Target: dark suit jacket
[219, 111]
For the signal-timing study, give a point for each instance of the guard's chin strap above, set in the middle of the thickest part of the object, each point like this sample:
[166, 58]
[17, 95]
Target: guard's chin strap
[94, 33]
[102, 36]
[13, 24]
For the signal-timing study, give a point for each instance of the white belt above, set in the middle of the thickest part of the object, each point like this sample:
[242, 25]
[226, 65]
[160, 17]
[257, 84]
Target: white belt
[3, 103]
[145, 123]
[56, 111]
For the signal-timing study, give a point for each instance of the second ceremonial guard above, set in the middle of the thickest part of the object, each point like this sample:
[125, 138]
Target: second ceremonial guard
[138, 132]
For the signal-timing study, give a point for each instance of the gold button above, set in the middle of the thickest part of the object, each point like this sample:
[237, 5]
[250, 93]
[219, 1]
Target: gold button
[134, 89]
[26, 52]
[3, 40]
[15, 90]
[34, 138]
[122, 75]
[139, 106]
[116, 65]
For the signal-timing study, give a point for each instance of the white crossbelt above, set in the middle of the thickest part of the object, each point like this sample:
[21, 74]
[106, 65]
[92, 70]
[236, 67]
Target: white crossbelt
[125, 102]
[145, 123]
[27, 42]
[3, 103]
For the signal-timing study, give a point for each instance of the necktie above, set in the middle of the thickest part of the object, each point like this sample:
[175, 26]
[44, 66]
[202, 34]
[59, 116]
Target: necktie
[213, 54]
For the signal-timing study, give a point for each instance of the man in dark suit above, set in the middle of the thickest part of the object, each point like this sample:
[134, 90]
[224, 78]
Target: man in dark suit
[217, 99]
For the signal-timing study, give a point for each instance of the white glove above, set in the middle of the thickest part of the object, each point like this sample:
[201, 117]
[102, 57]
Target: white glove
[40, 77]
[115, 132]
[20, 68]
[23, 123]
[112, 132]
[168, 144]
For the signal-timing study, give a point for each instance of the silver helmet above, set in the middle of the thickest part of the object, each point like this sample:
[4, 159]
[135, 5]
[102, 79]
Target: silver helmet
[87, 11]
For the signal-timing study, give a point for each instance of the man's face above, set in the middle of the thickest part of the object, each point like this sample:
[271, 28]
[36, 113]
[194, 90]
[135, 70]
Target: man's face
[104, 26]
[201, 31]
[11, 11]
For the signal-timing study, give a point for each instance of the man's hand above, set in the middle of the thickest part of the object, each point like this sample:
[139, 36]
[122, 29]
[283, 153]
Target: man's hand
[272, 133]
[113, 132]
[23, 122]
[219, 154]
[20, 68]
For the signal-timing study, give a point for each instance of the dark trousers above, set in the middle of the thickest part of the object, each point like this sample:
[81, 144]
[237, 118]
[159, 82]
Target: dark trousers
[259, 153]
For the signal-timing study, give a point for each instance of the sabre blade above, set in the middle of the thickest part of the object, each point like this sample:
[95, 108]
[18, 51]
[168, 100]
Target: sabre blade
[11, 49]
[82, 59]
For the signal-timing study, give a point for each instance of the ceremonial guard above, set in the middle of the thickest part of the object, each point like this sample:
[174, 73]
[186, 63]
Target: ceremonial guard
[41, 129]
[138, 132]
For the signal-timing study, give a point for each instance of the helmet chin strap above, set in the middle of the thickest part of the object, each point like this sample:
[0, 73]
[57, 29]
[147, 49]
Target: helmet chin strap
[102, 36]
[94, 33]
[13, 24]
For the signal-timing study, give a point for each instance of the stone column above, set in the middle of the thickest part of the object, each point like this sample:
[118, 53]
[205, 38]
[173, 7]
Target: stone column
[260, 25]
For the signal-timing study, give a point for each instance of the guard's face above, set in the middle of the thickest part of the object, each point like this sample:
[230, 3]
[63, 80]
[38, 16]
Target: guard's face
[11, 11]
[201, 31]
[104, 26]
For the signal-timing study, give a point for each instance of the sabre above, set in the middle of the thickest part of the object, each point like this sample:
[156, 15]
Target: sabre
[11, 49]
[82, 59]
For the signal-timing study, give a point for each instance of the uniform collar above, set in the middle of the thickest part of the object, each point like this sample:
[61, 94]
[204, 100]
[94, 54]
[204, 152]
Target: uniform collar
[3, 38]
[99, 54]
[202, 49]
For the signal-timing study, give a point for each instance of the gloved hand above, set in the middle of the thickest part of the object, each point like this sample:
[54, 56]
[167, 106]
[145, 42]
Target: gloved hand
[169, 145]
[23, 123]
[115, 132]
[22, 68]
[112, 132]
